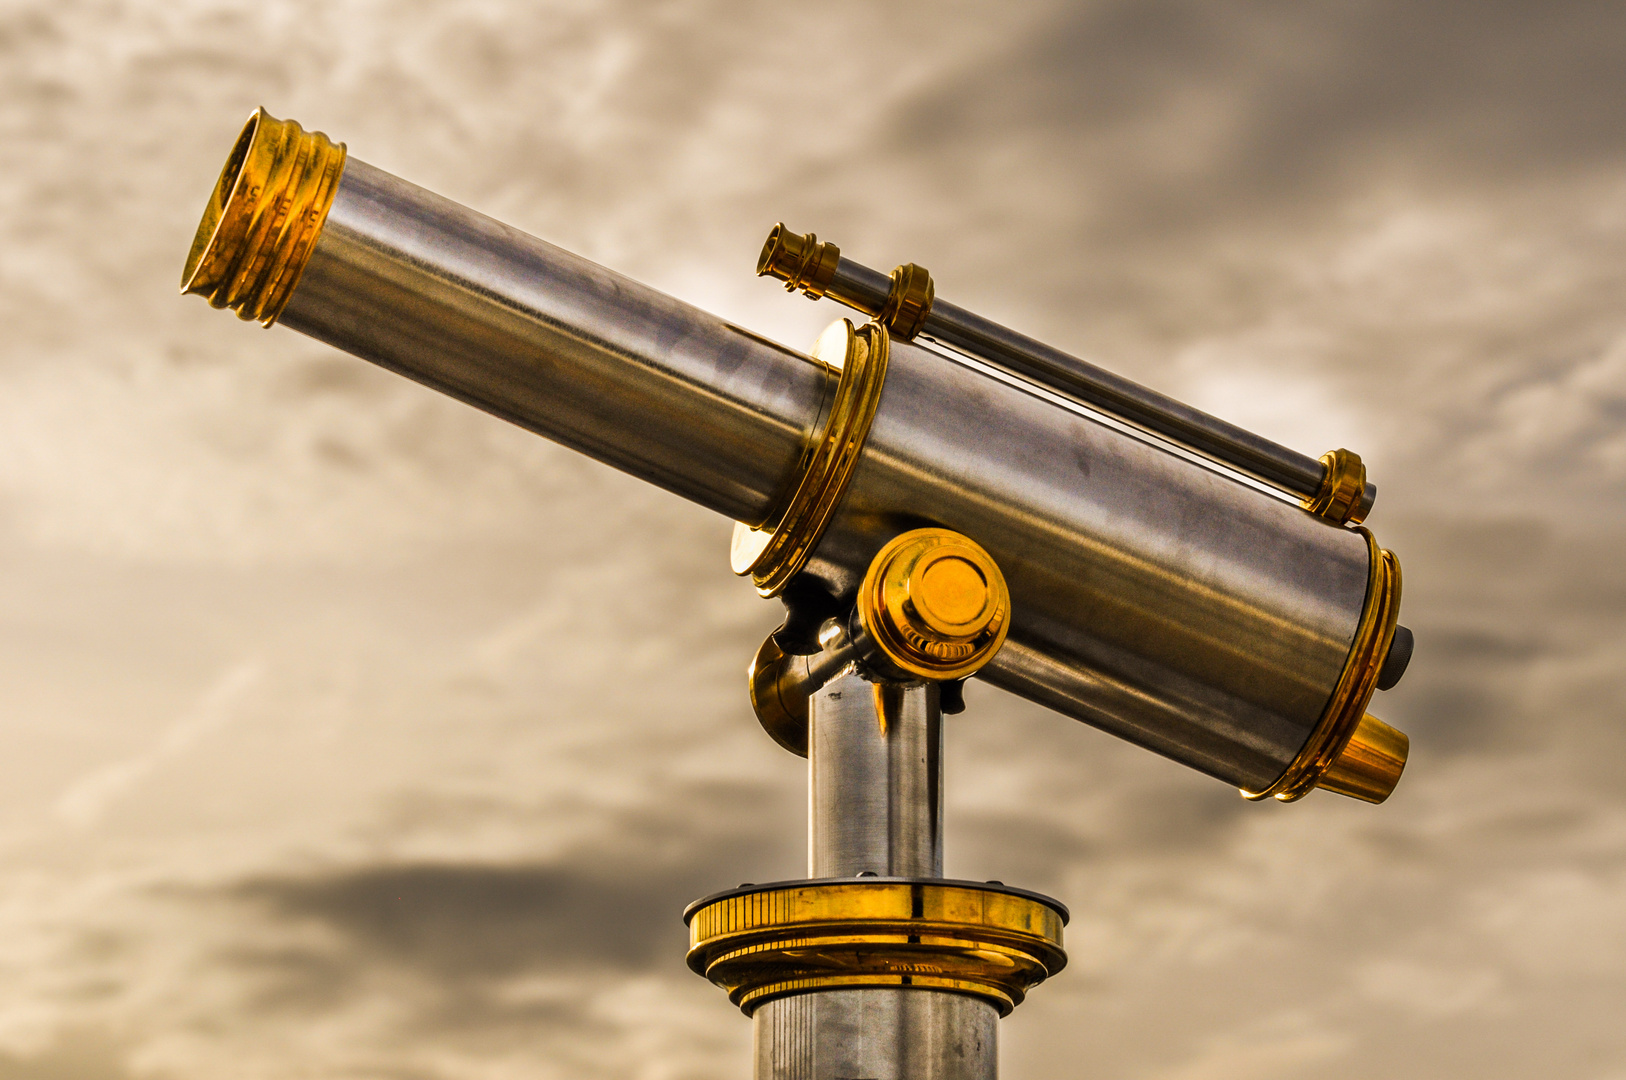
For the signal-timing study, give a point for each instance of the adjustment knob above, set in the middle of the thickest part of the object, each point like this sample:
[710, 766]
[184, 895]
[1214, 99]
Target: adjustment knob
[935, 603]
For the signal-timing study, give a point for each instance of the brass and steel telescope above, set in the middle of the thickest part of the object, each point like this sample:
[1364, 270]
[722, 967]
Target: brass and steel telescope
[935, 498]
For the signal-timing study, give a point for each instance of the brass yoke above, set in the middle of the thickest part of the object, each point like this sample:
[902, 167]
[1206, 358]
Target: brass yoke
[935, 603]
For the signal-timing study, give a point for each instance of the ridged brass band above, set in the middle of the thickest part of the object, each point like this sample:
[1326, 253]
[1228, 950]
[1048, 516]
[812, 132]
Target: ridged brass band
[763, 943]
[936, 604]
[773, 554]
[799, 260]
[1346, 707]
[264, 217]
[909, 301]
[1343, 485]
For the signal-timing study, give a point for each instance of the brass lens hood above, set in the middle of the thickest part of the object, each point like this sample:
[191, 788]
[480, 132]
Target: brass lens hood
[264, 218]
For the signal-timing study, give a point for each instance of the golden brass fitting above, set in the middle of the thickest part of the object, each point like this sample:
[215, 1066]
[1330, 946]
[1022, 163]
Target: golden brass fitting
[798, 260]
[783, 716]
[1370, 764]
[263, 219]
[774, 553]
[1350, 752]
[1343, 489]
[763, 942]
[909, 301]
[935, 603]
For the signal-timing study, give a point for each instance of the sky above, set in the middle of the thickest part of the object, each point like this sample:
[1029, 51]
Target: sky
[349, 734]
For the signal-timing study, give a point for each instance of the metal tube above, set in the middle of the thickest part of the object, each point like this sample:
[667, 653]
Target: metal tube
[876, 1034]
[1152, 596]
[875, 807]
[1022, 355]
[875, 766]
[558, 345]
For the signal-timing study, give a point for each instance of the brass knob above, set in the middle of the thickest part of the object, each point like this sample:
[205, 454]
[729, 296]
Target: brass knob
[935, 603]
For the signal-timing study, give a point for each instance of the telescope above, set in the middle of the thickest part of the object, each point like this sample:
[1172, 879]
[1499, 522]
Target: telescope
[934, 498]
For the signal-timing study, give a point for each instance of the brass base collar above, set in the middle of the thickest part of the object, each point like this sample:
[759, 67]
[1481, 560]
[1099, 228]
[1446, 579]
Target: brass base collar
[775, 553]
[264, 217]
[1349, 752]
[763, 942]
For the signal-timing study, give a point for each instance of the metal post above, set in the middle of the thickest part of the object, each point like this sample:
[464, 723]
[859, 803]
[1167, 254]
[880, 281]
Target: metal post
[875, 802]
[875, 779]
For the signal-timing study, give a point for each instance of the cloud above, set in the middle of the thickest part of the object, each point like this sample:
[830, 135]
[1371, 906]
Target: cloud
[85, 800]
[80, 1055]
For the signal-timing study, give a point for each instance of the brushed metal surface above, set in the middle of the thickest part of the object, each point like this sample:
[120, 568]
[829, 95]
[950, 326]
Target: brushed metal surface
[875, 770]
[558, 345]
[1151, 597]
[876, 1034]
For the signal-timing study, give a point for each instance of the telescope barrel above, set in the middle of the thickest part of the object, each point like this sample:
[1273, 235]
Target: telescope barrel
[519, 328]
[819, 269]
[1149, 595]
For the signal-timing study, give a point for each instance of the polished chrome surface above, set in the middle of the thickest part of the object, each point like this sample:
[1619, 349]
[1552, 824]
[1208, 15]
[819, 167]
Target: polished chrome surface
[876, 1034]
[559, 345]
[1151, 597]
[875, 768]
[1022, 355]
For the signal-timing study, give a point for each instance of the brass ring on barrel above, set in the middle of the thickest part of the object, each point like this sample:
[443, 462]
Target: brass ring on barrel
[264, 217]
[1344, 720]
[775, 553]
[763, 942]
[908, 301]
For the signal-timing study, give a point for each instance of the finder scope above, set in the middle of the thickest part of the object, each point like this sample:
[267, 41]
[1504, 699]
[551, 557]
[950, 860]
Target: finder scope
[1126, 560]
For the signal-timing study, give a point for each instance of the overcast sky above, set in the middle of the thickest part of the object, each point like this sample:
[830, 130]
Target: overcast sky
[346, 733]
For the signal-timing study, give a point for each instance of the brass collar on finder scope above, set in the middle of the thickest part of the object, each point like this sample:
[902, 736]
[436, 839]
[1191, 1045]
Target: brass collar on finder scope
[803, 262]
